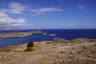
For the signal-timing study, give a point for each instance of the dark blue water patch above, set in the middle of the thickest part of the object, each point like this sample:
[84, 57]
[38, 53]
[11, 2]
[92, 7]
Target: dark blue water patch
[22, 40]
[60, 33]
[73, 33]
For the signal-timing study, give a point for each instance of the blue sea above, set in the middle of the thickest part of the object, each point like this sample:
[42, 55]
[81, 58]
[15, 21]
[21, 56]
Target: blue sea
[60, 33]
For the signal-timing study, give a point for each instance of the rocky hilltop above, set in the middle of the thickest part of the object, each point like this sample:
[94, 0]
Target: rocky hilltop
[58, 51]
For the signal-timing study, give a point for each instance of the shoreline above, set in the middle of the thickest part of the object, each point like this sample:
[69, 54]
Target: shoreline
[60, 40]
[77, 51]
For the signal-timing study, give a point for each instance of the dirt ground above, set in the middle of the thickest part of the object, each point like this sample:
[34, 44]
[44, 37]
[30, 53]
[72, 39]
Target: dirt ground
[53, 53]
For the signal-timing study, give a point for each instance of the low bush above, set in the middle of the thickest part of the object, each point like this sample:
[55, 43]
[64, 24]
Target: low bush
[30, 46]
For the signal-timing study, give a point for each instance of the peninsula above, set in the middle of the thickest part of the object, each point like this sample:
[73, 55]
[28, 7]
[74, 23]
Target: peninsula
[19, 34]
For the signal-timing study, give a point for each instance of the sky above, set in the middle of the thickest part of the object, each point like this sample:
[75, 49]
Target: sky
[48, 14]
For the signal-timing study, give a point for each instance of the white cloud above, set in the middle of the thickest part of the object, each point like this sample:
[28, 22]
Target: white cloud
[18, 8]
[5, 20]
[3, 14]
[20, 21]
[44, 10]
[4, 10]
[79, 26]
[15, 8]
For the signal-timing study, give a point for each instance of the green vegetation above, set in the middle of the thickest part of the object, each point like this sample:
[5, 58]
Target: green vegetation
[30, 46]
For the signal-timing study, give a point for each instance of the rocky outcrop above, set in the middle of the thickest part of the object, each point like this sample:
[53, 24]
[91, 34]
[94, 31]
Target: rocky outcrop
[81, 40]
[51, 34]
[60, 40]
[47, 34]
[20, 34]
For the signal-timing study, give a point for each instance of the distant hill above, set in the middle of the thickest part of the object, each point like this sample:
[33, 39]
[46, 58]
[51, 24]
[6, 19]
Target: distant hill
[8, 28]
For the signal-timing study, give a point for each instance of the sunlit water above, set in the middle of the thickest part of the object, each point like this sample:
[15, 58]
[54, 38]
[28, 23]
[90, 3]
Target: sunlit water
[60, 33]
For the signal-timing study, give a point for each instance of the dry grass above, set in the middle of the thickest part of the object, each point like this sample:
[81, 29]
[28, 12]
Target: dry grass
[20, 47]
[53, 53]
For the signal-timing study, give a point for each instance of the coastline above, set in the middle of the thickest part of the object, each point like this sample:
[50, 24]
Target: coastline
[54, 41]
[57, 51]
[19, 34]
[77, 51]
